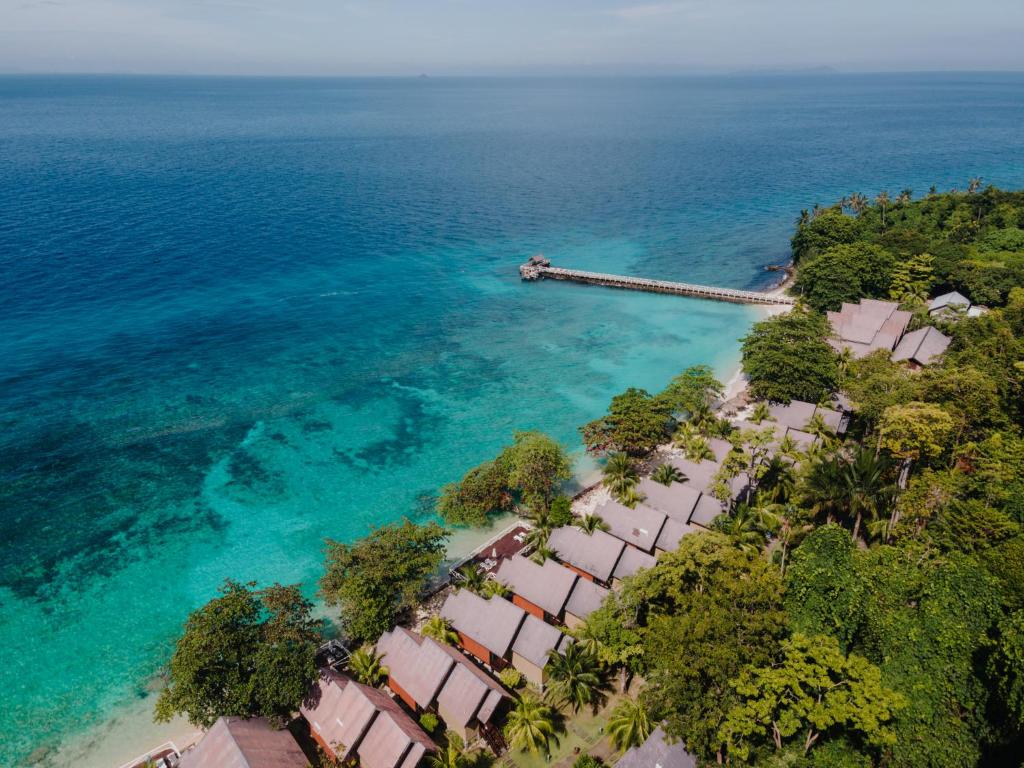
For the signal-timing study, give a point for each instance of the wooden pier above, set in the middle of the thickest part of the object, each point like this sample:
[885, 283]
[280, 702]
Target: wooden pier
[538, 268]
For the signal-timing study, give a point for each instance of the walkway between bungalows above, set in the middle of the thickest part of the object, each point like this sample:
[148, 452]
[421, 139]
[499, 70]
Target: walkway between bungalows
[538, 268]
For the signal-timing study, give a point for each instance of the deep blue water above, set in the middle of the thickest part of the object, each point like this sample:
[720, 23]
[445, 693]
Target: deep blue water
[240, 315]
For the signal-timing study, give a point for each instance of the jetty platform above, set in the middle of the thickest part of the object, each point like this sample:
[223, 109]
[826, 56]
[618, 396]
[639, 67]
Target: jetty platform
[538, 268]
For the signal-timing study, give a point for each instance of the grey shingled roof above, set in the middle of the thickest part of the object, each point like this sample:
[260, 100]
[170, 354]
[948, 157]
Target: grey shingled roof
[234, 742]
[469, 692]
[639, 527]
[586, 598]
[340, 710]
[656, 752]
[546, 586]
[922, 346]
[535, 639]
[720, 448]
[492, 623]
[419, 668]
[393, 741]
[632, 560]
[708, 508]
[595, 553]
[951, 299]
[796, 414]
[678, 499]
[672, 533]
[868, 326]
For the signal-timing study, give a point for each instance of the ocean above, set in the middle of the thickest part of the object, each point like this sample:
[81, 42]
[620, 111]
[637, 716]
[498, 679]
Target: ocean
[240, 315]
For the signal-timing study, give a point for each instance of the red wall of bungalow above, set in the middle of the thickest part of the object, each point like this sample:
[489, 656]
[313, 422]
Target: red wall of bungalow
[323, 744]
[576, 570]
[403, 694]
[481, 653]
[529, 607]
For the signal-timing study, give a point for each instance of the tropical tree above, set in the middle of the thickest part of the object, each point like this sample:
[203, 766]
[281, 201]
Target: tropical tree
[636, 423]
[858, 203]
[542, 553]
[824, 488]
[630, 497]
[974, 185]
[619, 473]
[590, 523]
[452, 755]
[366, 666]
[575, 677]
[867, 487]
[744, 526]
[761, 412]
[494, 588]
[882, 201]
[380, 576]
[471, 578]
[629, 725]
[815, 688]
[787, 358]
[246, 653]
[530, 725]
[666, 474]
[438, 628]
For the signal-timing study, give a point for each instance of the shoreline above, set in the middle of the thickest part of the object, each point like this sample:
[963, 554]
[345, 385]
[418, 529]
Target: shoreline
[130, 731]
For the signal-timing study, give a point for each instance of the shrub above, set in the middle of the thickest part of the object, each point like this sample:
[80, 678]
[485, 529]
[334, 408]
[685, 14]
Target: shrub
[511, 677]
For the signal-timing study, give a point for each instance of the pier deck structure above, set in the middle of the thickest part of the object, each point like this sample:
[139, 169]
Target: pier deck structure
[538, 268]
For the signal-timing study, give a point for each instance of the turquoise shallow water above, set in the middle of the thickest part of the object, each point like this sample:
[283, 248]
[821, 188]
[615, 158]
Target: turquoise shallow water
[239, 316]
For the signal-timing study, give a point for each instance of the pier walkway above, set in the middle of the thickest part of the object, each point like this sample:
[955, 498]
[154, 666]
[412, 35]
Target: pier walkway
[538, 268]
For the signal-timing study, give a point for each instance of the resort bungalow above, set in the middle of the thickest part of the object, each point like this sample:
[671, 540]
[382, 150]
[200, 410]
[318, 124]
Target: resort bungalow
[632, 560]
[426, 674]
[657, 752]
[797, 415]
[592, 555]
[540, 590]
[699, 474]
[921, 347]
[235, 742]
[354, 722]
[639, 526]
[677, 500]
[868, 326]
[951, 305]
[707, 509]
[586, 597]
[500, 633]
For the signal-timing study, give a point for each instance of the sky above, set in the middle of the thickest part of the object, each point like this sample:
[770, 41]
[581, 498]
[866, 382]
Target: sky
[488, 37]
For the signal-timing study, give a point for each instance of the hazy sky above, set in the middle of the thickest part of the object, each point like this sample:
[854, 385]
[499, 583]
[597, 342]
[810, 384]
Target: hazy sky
[491, 37]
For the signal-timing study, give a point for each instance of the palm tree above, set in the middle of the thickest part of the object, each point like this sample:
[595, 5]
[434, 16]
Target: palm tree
[824, 488]
[530, 725]
[882, 201]
[629, 725]
[365, 666]
[858, 203]
[699, 449]
[619, 473]
[666, 474]
[803, 218]
[437, 628]
[761, 412]
[586, 638]
[779, 480]
[817, 427]
[575, 677]
[744, 526]
[630, 497]
[590, 523]
[452, 756]
[868, 490]
[472, 578]
[904, 196]
[542, 553]
[494, 588]
[974, 185]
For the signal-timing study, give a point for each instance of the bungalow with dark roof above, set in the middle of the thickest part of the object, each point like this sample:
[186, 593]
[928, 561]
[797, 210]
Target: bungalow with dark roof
[499, 633]
[868, 326]
[657, 752]
[639, 526]
[586, 597]
[921, 347]
[632, 560]
[350, 720]
[676, 500]
[235, 742]
[539, 589]
[425, 674]
[592, 555]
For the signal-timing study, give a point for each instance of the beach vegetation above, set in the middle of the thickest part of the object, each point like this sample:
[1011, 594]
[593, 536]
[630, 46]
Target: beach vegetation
[530, 725]
[629, 725]
[636, 423]
[787, 358]
[367, 666]
[377, 578]
[247, 653]
[437, 628]
[575, 678]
